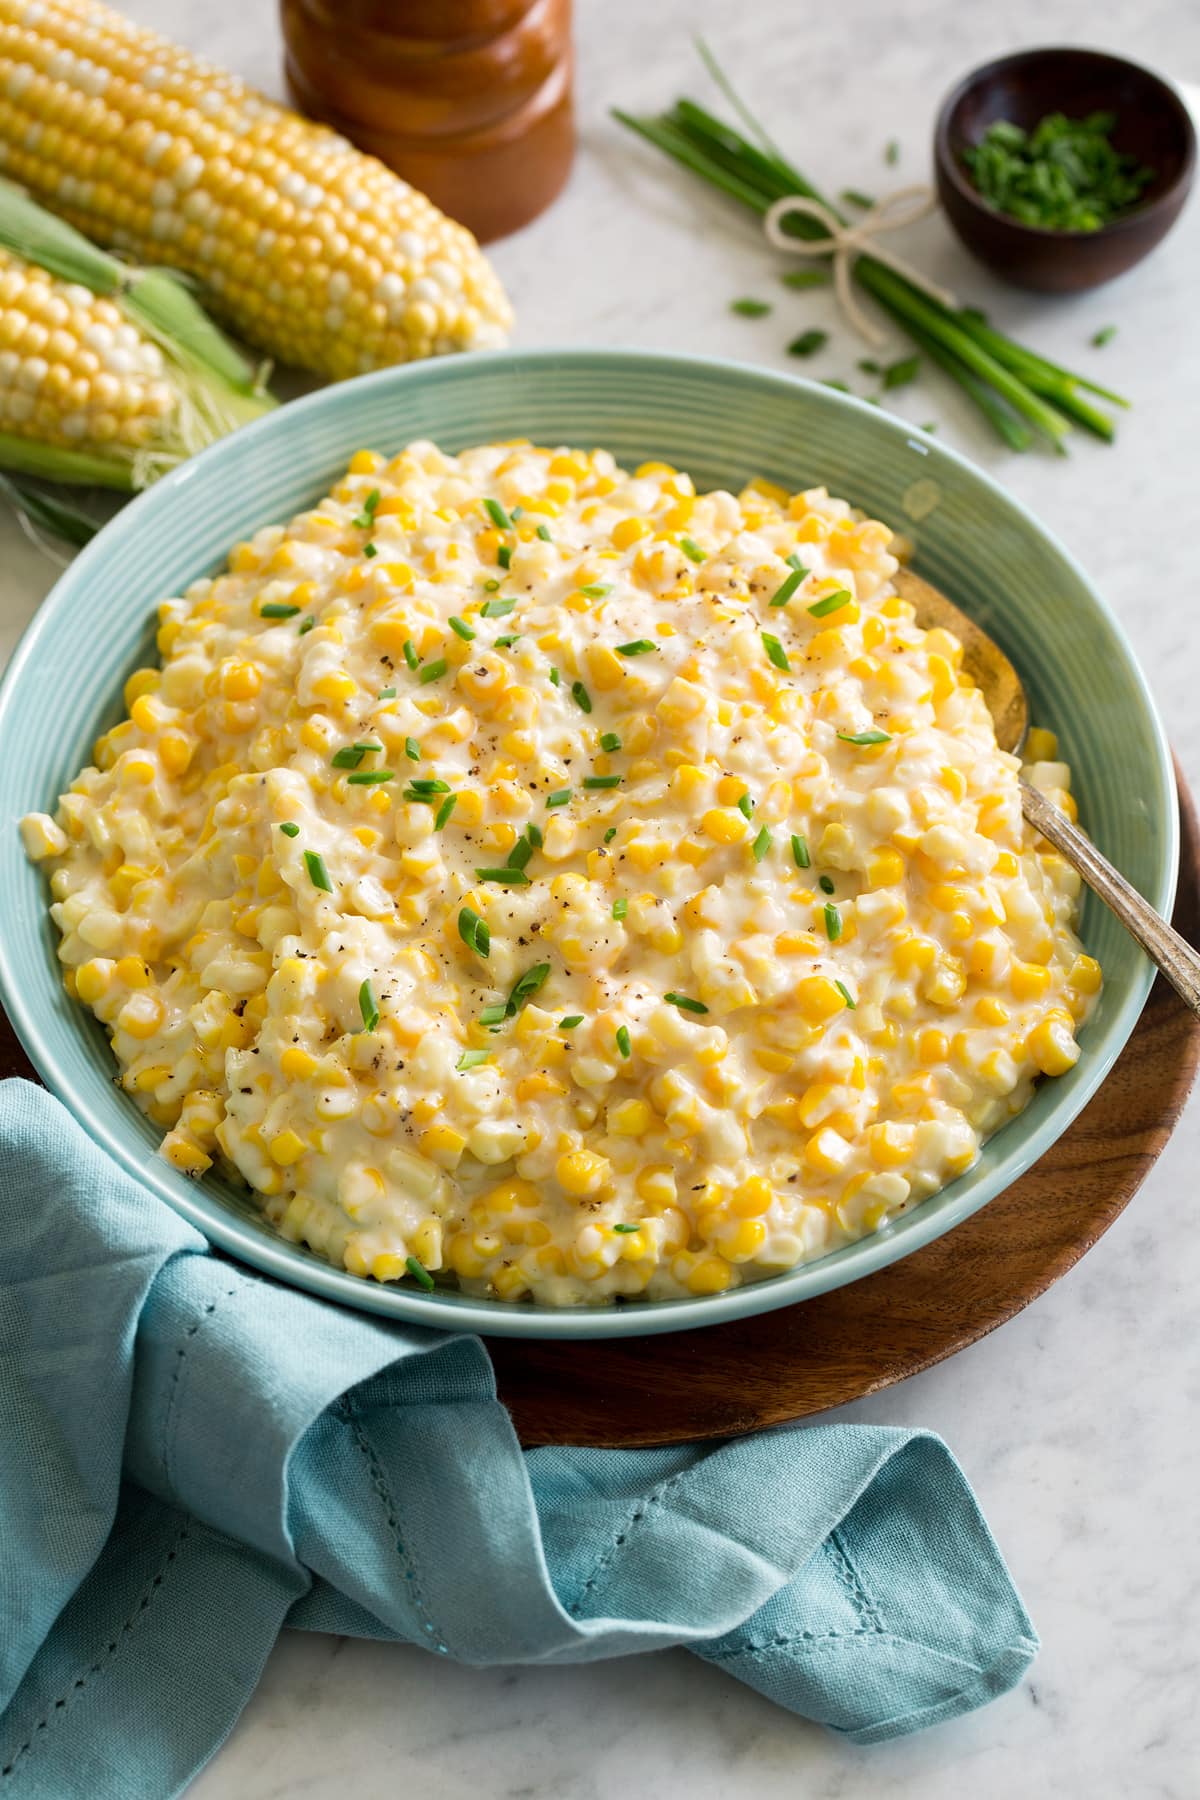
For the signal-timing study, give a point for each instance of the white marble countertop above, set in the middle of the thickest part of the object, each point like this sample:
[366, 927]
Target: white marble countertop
[1076, 1422]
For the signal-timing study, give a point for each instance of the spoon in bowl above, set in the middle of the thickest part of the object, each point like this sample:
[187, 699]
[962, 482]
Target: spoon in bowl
[998, 681]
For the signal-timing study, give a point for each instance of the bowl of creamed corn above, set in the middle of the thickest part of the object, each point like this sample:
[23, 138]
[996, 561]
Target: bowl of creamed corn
[509, 858]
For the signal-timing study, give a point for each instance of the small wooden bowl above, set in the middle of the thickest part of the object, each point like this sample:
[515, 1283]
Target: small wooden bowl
[1153, 124]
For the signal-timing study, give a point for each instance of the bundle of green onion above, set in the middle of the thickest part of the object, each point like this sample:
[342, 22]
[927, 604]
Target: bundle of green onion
[109, 374]
[1013, 387]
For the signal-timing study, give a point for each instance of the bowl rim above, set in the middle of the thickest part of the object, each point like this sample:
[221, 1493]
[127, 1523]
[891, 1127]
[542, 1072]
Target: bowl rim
[453, 1312]
[947, 163]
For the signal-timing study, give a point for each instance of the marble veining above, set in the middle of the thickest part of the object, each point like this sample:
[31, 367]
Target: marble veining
[1077, 1421]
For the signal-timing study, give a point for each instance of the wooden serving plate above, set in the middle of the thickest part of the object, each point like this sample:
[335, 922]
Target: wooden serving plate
[805, 1358]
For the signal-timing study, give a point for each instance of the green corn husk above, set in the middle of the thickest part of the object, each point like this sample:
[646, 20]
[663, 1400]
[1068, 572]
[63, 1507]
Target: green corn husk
[216, 389]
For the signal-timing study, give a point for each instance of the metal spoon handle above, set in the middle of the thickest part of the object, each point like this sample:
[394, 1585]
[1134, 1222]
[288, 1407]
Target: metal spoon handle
[1179, 962]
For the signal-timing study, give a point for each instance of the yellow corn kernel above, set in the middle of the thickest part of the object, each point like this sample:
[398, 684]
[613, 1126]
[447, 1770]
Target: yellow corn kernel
[604, 667]
[530, 1086]
[185, 1155]
[743, 1240]
[655, 1184]
[443, 1145]
[463, 1257]
[990, 1011]
[93, 979]
[711, 1275]
[335, 685]
[630, 1118]
[1029, 981]
[1052, 1044]
[933, 1046]
[1041, 745]
[752, 1198]
[133, 972]
[627, 532]
[1084, 975]
[286, 1148]
[818, 998]
[724, 826]
[297, 1064]
[885, 867]
[581, 1172]
[141, 1015]
[142, 681]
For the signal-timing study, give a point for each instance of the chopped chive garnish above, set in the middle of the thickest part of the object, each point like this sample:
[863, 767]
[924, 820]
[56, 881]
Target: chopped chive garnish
[527, 986]
[474, 932]
[505, 877]
[808, 343]
[831, 603]
[761, 844]
[691, 549]
[444, 810]
[865, 738]
[625, 1228]
[623, 1044]
[833, 922]
[806, 278]
[745, 805]
[543, 532]
[869, 366]
[370, 550]
[555, 678]
[560, 797]
[891, 155]
[494, 1015]
[844, 991]
[348, 757]
[854, 197]
[685, 1003]
[429, 784]
[419, 1273]
[750, 309]
[775, 651]
[596, 590]
[387, 693]
[783, 593]
[306, 625]
[368, 1006]
[516, 513]
[412, 749]
[472, 1059]
[620, 908]
[601, 781]
[506, 643]
[800, 850]
[609, 741]
[497, 609]
[1105, 335]
[366, 517]
[825, 885]
[570, 1022]
[461, 627]
[581, 697]
[610, 834]
[410, 655]
[491, 585]
[519, 855]
[369, 778]
[639, 647]
[497, 515]
[839, 387]
[534, 834]
[289, 829]
[432, 671]
[318, 874]
[277, 609]
[899, 374]
[504, 556]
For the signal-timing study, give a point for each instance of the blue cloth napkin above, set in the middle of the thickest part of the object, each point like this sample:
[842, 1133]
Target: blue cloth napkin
[192, 1457]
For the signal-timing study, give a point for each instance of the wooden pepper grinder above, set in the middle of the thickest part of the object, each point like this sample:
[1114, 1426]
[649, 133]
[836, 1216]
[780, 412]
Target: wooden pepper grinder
[469, 100]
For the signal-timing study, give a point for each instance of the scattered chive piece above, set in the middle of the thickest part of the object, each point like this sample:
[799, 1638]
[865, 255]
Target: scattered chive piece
[519, 855]
[491, 585]
[1105, 335]
[306, 625]
[865, 738]
[428, 784]
[543, 532]
[471, 1059]
[825, 885]
[929, 425]
[596, 590]
[504, 556]
[775, 651]
[623, 1044]
[839, 387]
[444, 810]
[601, 781]
[506, 643]
[412, 749]
[318, 874]
[461, 627]
[808, 343]
[806, 278]
[761, 844]
[410, 655]
[474, 932]
[891, 155]
[369, 777]
[368, 1006]
[432, 671]
[844, 991]
[348, 757]
[750, 309]
[639, 647]
[685, 1003]
[526, 986]
[277, 609]
[370, 550]
[800, 850]
[506, 877]
[691, 549]
[581, 697]
[570, 1022]
[289, 829]
[609, 741]
[831, 603]
[366, 517]
[620, 908]
[555, 678]
[745, 805]
[855, 197]
[833, 922]
[560, 797]
[899, 374]
[494, 1015]
[610, 834]
[419, 1273]
[516, 513]
[625, 1228]
[783, 594]
[869, 366]
[497, 609]
[497, 515]
[387, 693]
[534, 834]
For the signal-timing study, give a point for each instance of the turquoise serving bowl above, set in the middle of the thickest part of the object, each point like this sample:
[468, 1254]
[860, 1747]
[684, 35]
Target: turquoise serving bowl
[723, 423]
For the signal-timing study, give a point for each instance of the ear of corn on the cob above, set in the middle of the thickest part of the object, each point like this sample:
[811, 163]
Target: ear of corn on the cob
[109, 375]
[313, 252]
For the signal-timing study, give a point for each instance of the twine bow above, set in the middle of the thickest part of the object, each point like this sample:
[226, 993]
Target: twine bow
[844, 244]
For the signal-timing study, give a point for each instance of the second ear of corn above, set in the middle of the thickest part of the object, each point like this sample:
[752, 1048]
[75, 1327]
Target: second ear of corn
[314, 253]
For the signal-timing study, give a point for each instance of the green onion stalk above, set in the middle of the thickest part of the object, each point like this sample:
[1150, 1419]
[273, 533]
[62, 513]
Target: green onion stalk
[1022, 395]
